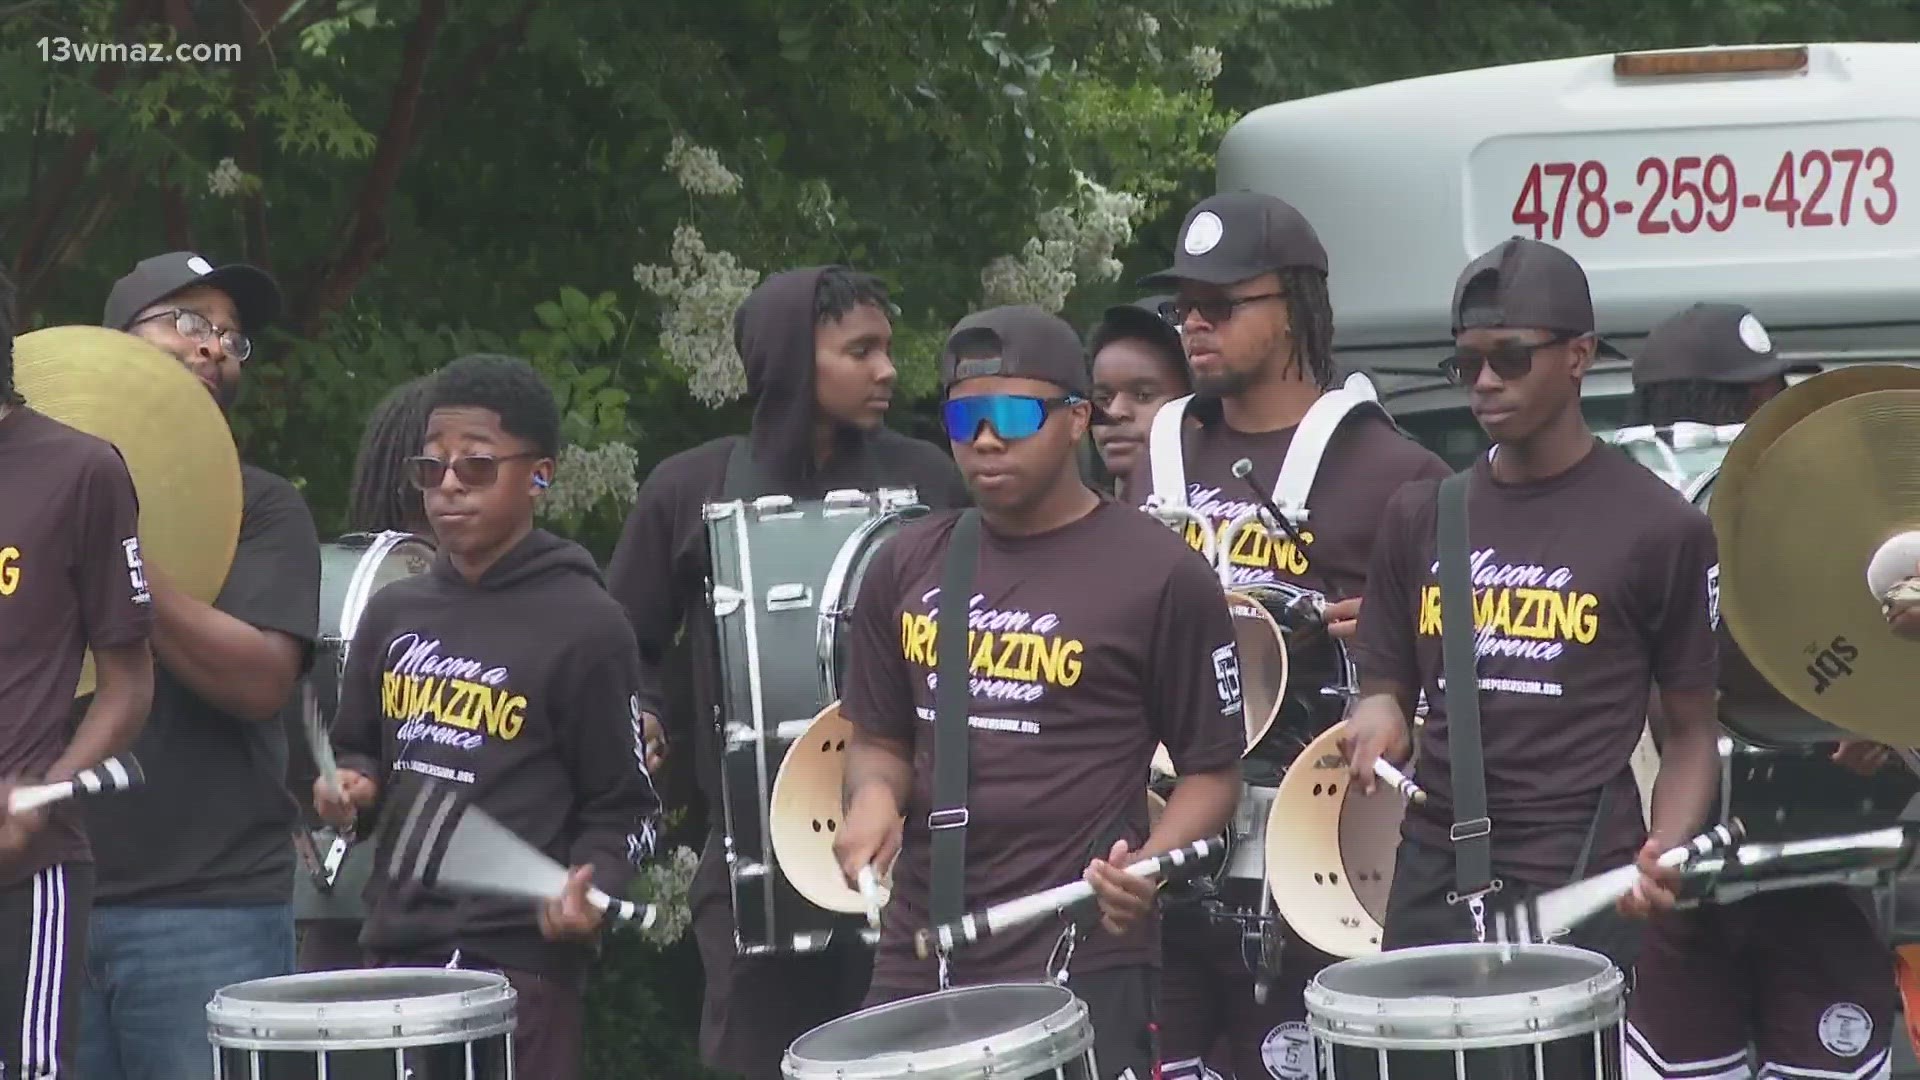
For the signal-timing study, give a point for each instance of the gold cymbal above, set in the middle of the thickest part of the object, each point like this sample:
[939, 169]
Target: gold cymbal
[1766, 426]
[173, 436]
[1814, 509]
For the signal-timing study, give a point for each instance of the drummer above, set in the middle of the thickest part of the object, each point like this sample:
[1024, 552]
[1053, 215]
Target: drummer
[1592, 584]
[1109, 637]
[1256, 321]
[1798, 975]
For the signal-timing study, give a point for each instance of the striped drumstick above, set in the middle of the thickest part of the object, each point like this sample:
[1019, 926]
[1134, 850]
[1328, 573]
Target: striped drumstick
[1398, 780]
[974, 927]
[1551, 914]
[119, 773]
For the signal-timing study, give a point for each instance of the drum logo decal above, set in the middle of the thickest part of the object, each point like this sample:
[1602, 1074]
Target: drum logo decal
[1288, 1051]
[1226, 678]
[1713, 596]
[1845, 1029]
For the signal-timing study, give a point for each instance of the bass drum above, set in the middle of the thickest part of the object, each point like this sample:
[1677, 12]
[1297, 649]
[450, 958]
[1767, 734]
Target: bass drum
[1750, 707]
[352, 569]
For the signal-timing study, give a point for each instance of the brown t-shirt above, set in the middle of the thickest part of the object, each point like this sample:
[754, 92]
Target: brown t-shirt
[70, 578]
[1588, 587]
[1365, 462]
[1089, 644]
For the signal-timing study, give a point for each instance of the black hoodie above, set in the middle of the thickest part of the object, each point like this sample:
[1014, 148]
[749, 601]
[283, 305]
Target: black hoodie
[523, 693]
[659, 569]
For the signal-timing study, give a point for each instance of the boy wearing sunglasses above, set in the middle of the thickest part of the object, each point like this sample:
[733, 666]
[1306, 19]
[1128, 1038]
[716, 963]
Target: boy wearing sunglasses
[1096, 635]
[1593, 581]
[509, 672]
[195, 867]
[817, 346]
[1256, 319]
[1799, 976]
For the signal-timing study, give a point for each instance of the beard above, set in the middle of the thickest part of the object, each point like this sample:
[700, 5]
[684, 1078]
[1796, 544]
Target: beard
[1224, 384]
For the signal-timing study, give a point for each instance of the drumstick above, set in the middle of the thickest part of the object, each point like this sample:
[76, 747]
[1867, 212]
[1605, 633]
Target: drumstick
[976, 926]
[870, 890]
[318, 742]
[1550, 914]
[119, 773]
[1398, 780]
[483, 856]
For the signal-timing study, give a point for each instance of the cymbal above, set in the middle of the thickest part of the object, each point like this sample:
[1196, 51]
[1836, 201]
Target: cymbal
[173, 436]
[1766, 426]
[1828, 494]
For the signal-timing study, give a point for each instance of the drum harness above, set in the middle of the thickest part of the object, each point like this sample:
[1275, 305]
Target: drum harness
[1472, 829]
[947, 822]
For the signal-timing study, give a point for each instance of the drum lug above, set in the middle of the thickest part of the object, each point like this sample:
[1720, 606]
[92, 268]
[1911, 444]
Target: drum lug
[843, 501]
[739, 735]
[793, 596]
[773, 507]
[726, 601]
[722, 511]
[749, 870]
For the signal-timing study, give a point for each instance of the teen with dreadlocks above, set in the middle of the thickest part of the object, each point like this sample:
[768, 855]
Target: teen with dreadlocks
[1251, 301]
[382, 498]
[70, 579]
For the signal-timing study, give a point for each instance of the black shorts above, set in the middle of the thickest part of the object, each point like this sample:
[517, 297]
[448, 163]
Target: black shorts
[1210, 1024]
[1800, 975]
[43, 952]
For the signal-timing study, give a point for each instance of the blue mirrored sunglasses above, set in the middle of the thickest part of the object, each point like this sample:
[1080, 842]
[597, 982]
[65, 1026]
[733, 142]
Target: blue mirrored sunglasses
[1012, 416]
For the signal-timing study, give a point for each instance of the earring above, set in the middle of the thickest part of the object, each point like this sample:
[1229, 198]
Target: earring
[539, 482]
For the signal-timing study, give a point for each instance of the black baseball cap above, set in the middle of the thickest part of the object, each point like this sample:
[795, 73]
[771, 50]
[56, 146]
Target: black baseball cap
[1718, 343]
[1530, 285]
[1019, 342]
[1237, 235]
[253, 290]
[1140, 319]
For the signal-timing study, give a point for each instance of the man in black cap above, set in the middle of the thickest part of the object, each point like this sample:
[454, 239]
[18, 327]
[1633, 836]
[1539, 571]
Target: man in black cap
[1095, 635]
[1593, 581]
[1138, 365]
[1257, 324]
[196, 868]
[70, 581]
[1799, 977]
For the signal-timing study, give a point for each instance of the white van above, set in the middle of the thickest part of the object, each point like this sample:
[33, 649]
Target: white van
[1786, 178]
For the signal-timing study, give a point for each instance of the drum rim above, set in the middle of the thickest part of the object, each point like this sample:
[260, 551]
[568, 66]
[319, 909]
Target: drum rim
[476, 1005]
[1047, 1042]
[1443, 1023]
[836, 598]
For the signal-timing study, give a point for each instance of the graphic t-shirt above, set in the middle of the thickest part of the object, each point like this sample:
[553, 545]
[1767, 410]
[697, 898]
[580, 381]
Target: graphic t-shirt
[71, 577]
[1366, 461]
[1588, 587]
[1088, 645]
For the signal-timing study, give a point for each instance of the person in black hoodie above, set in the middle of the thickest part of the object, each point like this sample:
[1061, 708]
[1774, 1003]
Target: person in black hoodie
[816, 345]
[509, 672]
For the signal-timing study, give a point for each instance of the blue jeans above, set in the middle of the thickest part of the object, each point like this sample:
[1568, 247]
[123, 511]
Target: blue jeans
[151, 972]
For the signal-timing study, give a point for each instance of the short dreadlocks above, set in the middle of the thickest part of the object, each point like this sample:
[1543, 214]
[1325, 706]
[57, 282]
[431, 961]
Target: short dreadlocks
[1310, 324]
[382, 499]
[1665, 403]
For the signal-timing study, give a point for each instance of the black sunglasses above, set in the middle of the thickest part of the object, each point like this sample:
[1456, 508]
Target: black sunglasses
[1214, 309]
[474, 470]
[1509, 360]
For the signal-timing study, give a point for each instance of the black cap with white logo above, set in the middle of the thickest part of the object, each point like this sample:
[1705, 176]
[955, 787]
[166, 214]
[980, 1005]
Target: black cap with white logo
[1237, 235]
[254, 293]
[1526, 285]
[1720, 343]
[1016, 342]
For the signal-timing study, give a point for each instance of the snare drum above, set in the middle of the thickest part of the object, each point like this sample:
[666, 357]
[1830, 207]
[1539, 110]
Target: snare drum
[1016, 1031]
[1538, 1012]
[1295, 678]
[380, 1024]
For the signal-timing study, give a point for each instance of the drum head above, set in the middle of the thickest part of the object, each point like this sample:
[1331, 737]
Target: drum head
[378, 1007]
[1263, 664]
[1466, 996]
[806, 814]
[1013, 1030]
[1463, 971]
[1330, 851]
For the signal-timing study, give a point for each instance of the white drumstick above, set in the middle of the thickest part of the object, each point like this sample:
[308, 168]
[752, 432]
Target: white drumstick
[1551, 914]
[870, 890]
[1384, 769]
[114, 774]
[318, 743]
[972, 927]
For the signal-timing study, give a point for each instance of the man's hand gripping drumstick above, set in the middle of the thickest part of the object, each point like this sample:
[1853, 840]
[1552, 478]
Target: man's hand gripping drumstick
[1376, 737]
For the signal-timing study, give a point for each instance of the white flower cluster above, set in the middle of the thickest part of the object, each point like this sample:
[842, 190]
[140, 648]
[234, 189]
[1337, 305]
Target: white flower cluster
[1149, 26]
[1204, 61]
[699, 170]
[816, 204]
[583, 477]
[1075, 245]
[703, 288]
[666, 883]
[226, 179]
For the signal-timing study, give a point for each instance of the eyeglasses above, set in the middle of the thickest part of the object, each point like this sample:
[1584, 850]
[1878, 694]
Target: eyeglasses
[474, 470]
[197, 327]
[1012, 416]
[1509, 360]
[1214, 309]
